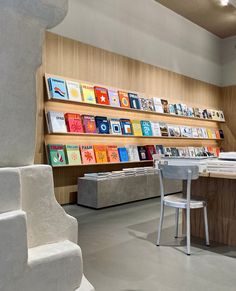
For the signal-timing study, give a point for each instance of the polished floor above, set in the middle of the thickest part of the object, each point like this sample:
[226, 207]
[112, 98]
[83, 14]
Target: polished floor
[120, 254]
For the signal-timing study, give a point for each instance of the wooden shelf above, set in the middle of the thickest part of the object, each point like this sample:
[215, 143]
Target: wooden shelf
[131, 110]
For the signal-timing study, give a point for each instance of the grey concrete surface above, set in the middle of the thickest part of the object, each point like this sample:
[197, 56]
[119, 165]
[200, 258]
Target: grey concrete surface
[120, 254]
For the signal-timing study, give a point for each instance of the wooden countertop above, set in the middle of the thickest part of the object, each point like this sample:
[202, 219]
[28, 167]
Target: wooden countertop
[222, 175]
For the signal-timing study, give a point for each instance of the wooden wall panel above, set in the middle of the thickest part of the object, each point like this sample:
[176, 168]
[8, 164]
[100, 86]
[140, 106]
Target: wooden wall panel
[79, 61]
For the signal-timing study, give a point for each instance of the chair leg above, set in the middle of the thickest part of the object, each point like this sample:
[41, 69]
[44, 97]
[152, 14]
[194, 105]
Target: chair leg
[206, 226]
[176, 222]
[160, 224]
[188, 230]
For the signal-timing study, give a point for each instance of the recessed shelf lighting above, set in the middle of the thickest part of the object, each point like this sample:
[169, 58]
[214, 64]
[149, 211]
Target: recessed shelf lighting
[224, 2]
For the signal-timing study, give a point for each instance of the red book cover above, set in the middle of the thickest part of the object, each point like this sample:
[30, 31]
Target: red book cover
[101, 95]
[100, 153]
[150, 151]
[89, 124]
[74, 122]
[87, 154]
[124, 99]
[112, 154]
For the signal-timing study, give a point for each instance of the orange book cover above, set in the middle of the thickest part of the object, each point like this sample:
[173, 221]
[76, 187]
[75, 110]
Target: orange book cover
[100, 153]
[217, 134]
[101, 95]
[87, 154]
[124, 99]
[112, 154]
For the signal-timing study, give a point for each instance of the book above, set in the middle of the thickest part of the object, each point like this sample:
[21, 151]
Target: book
[112, 154]
[101, 95]
[158, 105]
[221, 133]
[186, 131]
[151, 150]
[173, 130]
[213, 132]
[123, 154]
[165, 105]
[201, 113]
[190, 112]
[214, 114]
[221, 115]
[150, 104]
[87, 93]
[124, 99]
[209, 114]
[56, 122]
[183, 152]
[73, 154]
[178, 109]
[167, 152]
[74, 122]
[73, 90]
[136, 127]
[56, 154]
[196, 112]
[134, 100]
[126, 126]
[204, 114]
[132, 153]
[155, 128]
[100, 153]
[102, 124]
[172, 108]
[159, 149]
[142, 152]
[200, 132]
[115, 127]
[204, 132]
[184, 109]
[163, 129]
[57, 88]
[209, 132]
[192, 152]
[174, 152]
[144, 104]
[146, 127]
[113, 98]
[89, 124]
[87, 154]
[195, 132]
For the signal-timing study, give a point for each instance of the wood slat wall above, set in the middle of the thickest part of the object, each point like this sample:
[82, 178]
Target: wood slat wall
[72, 59]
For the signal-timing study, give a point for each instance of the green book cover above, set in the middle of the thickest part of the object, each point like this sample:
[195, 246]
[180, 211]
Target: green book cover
[56, 154]
[73, 155]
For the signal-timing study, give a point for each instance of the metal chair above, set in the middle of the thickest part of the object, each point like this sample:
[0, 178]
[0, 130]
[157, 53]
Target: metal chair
[187, 173]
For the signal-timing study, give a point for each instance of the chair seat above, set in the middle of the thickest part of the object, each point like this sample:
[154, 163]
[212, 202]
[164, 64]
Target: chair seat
[178, 201]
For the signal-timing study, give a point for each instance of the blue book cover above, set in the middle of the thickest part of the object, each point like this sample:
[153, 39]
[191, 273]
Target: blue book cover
[57, 88]
[160, 149]
[102, 124]
[123, 154]
[126, 126]
[146, 128]
[134, 101]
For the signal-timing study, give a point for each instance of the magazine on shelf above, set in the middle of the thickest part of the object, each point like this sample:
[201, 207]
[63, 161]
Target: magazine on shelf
[112, 154]
[89, 123]
[123, 154]
[102, 124]
[146, 128]
[178, 109]
[151, 150]
[73, 154]
[165, 105]
[136, 126]
[124, 99]
[100, 153]
[101, 95]
[126, 126]
[113, 98]
[87, 154]
[74, 122]
[174, 130]
[56, 154]
[172, 108]
[134, 101]
[186, 131]
[132, 153]
[158, 105]
[73, 90]
[142, 153]
[155, 128]
[115, 127]
[163, 128]
[87, 93]
[57, 88]
[56, 122]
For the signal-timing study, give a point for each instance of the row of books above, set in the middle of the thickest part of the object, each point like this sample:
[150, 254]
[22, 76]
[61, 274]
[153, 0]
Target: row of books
[58, 122]
[85, 92]
[59, 155]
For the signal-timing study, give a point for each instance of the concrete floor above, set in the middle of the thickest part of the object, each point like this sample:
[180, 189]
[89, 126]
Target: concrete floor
[120, 254]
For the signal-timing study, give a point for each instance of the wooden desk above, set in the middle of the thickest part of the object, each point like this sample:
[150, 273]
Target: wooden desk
[219, 190]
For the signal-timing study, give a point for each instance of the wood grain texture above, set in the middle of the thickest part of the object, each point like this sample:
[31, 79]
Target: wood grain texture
[79, 61]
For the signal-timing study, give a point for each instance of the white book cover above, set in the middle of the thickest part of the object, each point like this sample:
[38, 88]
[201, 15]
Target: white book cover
[158, 105]
[115, 126]
[195, 132]
[73, 89]
[221, 115]
[204, 132]
[191, 151]
[186, 131]
[155, 129]
[213, 133]
[173, 130]
[56, 122]
[132, 152]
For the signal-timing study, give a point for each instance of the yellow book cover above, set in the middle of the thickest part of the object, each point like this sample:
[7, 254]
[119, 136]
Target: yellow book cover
[209, 133]
[87, 92]
[137, 130]
[100, 153]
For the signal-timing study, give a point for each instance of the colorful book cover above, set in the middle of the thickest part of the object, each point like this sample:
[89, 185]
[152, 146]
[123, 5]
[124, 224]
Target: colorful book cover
[126, 126]
[57, 88]
[174, 152]
[133, 153]
[87, 154]
[73, 90]
[146, 127]
[195, 132]
[209, 132]
[159, 149]
[184, 109]
[124, 99]
[113, 154]
[167, 152]
[56, 154]
[151, 150]
[89, 124]
[142, 152]
[102, 124]
[192, 152]
[183, 152]
[150, 104]
[165, 106]
[213, 132]
[144, 104]
[190, 112]
[56, 122]
[172, 108]
[155, 128]
[100, 153]
[174, 130]
[163, 128]
[101, 95]
[74, 122]
[87, 93]
[186, 131]
[209, 113]
[196, 112]
[204, 114]
[158, 105]
[178, 109]
[134, 100]
[115, 127]
[123, 154]
[73, 154]
[136, 126]
[204, 132]
[113, 98]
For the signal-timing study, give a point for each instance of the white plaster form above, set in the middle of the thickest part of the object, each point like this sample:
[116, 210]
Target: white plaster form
[38, 240]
